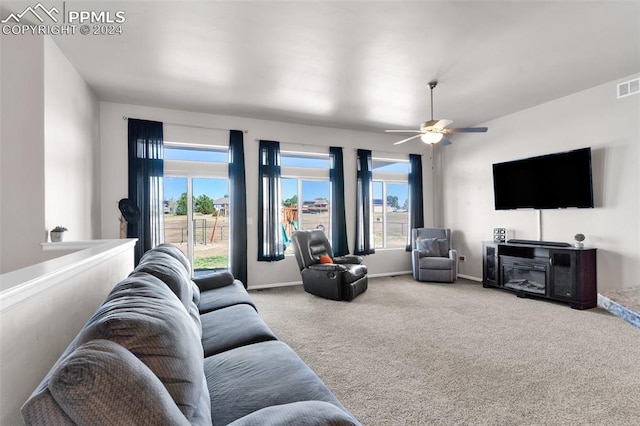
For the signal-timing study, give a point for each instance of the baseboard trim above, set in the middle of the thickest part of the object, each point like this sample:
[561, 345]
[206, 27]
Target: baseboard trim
[389, 274]
[292, 283]
[469, 277]
[275, 285]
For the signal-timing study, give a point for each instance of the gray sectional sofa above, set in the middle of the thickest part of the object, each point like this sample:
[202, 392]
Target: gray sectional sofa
[164, 349]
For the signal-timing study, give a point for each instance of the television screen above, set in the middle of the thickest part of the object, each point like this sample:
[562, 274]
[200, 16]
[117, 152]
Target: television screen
[551, 181]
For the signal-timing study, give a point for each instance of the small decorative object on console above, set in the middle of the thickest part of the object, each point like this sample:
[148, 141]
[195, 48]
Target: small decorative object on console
[499, 235]
[579, 240]
[57, 234]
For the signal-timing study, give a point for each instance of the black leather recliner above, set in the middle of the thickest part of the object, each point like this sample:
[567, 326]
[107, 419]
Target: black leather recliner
[344, 279]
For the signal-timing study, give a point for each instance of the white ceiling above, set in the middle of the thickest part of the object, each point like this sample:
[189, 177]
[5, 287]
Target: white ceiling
[356, 64]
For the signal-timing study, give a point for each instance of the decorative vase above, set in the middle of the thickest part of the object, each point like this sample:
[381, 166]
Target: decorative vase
[56, 236]
[578, 244]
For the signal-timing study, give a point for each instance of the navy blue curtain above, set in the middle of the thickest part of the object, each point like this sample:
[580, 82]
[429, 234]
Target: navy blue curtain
[270, 241]
[416, 207]
[145, 183]
[238, 207]
[364, 204]
[339, 243]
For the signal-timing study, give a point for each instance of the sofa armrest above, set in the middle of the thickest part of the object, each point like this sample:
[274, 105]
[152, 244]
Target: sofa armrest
[453, 254]
[415, 262]
[102, 383]
[327, 267]
[308, 413]
[348, 260]
[214, 280]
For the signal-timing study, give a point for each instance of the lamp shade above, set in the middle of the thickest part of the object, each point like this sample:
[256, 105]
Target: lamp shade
[431, 138]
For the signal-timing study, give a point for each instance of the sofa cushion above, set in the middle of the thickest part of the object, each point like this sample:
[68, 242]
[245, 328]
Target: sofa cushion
[102, 383]
[42, 409]
[229, 295]
[196, 293]
[180, 256]
[231, 327]
[253, 377]
[214, 280]
[436, 263]
[170, 271]
[175, 252]
[145, 317]
[303, 413]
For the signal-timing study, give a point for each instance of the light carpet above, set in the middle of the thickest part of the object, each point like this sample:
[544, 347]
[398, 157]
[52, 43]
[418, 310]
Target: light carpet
[412, 353]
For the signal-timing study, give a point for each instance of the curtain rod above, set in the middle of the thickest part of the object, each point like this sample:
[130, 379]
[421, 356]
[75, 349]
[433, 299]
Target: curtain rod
[124, 117]
[301, 144]
[377, 151]
[373, 151]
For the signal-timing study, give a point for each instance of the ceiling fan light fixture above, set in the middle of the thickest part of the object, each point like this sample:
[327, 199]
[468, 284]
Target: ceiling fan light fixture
[432, 131]
[431, 138]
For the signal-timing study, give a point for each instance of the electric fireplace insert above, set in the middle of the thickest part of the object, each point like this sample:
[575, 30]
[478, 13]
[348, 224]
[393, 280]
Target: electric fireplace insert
[528, 275]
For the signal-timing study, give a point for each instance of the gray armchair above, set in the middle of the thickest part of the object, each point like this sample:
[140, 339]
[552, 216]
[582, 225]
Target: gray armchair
[342, 279]
[432, 257]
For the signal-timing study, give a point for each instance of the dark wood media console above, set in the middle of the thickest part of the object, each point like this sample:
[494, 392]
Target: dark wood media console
[565, 274]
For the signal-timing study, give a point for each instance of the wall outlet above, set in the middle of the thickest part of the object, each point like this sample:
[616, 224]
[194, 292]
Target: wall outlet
[462, 258]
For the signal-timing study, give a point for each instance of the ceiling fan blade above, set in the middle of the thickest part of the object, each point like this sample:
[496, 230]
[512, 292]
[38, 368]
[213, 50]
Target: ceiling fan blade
[403, 131]
[467, 130]
[441, 124]
[407, 139]
[445, 142]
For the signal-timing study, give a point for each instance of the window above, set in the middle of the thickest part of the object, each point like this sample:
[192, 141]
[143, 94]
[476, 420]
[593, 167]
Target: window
[306, 193]
[196, 203]
[390, 203]
[184, 152]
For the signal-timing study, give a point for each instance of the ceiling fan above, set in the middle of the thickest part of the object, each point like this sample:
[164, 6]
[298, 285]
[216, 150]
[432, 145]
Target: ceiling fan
[433, 131]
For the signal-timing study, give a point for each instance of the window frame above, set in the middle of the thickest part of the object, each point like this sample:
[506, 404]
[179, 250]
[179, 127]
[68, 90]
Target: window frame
[190, 170]
[386, 178]
[301, 174]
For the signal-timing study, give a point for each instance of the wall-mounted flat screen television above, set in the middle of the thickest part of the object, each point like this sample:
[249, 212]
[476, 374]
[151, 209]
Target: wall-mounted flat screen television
[553, 181]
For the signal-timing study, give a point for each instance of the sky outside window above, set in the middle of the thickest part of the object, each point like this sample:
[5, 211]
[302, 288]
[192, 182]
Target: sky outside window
[398, 190]
[304, 160]
[390, 166]
[174, 187]
[206, 155]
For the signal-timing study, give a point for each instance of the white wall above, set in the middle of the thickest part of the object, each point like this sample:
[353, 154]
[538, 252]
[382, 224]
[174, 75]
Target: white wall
[22, 152]
[49, 151]
[593, 118]
[71, 149]
[43, 307]
[114, 176]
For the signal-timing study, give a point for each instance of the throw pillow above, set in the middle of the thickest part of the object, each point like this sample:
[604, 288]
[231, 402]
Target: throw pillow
[428, 247]
[325, 259]
[102, 383]
[214, 280]
[443, 245]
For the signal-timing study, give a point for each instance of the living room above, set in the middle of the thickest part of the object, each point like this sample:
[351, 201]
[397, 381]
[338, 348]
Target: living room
[458, 195]
[74, 141]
